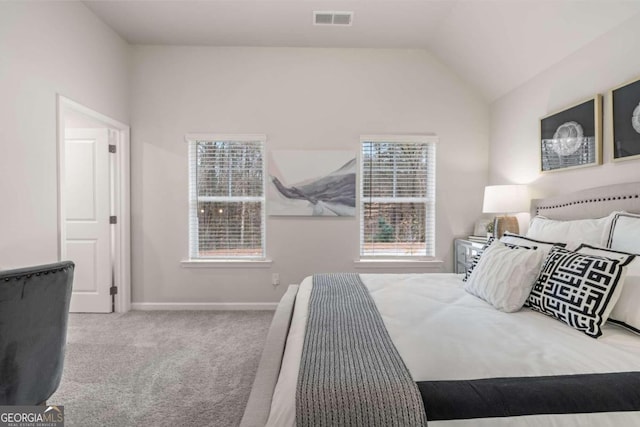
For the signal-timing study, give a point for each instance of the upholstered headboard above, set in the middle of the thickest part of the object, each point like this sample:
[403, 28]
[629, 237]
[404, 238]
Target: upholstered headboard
[591, 203]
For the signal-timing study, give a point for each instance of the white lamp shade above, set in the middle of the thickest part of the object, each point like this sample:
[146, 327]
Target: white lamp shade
[506, 199]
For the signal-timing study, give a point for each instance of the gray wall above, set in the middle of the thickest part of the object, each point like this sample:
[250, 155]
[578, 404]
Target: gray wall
[47, 48]
[309, 99]
[608, 61]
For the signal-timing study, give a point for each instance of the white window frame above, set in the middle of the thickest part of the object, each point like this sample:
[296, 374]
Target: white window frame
[240, 261]
[429, 199]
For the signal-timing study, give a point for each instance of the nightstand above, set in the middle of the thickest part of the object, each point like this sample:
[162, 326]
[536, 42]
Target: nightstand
[463, 251]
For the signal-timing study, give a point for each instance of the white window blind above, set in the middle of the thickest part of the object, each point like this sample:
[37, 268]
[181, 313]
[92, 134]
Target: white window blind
[226, 197]
[397, 203]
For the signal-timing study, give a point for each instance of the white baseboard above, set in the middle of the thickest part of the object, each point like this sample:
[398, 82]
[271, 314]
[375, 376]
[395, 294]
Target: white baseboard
[174, 306]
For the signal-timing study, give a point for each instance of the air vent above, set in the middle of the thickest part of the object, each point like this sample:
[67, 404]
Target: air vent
[332, 18]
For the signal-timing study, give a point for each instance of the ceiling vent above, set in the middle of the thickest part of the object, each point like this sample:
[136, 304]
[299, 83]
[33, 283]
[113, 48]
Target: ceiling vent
[332, 18]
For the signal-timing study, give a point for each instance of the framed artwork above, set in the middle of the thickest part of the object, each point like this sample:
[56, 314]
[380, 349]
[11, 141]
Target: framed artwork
[312, 183]
[480, 228]
[625, 114]
[572, 138]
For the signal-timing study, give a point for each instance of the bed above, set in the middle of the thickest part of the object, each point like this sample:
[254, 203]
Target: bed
[468, 363]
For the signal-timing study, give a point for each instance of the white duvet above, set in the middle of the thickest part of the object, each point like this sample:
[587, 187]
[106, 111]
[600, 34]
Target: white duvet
[444, 333]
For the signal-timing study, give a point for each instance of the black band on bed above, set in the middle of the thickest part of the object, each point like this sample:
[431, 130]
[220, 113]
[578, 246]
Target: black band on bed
[507, 397]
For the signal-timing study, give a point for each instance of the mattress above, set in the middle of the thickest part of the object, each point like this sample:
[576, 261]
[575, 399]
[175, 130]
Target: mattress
[443, 333]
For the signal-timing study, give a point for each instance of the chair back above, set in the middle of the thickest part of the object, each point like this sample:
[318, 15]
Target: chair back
[34, 310]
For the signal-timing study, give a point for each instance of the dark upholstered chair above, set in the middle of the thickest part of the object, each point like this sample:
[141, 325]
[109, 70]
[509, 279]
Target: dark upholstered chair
[34, 308]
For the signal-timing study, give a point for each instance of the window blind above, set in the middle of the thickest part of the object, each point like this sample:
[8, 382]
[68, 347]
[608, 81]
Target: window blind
[226, 198]
[397, 203]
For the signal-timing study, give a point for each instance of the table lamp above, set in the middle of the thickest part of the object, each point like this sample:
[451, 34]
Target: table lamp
[505, 199]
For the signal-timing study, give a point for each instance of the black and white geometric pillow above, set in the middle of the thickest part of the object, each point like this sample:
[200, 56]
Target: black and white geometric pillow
[577, 289]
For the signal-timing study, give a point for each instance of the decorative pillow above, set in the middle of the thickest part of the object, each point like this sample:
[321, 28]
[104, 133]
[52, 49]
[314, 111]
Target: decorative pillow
[505, 275]
[624, 233]
[516, 239]
[577, 289]
[573, 232]
[626, 312]
[627, 294]
[624, 257]
[476, 258]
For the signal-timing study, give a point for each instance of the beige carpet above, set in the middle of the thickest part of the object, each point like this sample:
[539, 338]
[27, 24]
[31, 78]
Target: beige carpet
[160, 368]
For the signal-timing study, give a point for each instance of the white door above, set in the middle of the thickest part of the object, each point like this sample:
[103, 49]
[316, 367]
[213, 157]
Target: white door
[87, 239]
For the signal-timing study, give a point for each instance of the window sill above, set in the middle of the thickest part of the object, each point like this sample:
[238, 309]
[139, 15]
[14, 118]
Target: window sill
[226, 263]
[428, 265]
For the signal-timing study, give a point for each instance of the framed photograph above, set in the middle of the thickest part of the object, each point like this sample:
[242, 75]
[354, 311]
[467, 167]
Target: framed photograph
[480, 228]
[572, 138]
[625, 114]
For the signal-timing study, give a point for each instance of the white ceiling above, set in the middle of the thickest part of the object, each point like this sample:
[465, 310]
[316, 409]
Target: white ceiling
[495, 45]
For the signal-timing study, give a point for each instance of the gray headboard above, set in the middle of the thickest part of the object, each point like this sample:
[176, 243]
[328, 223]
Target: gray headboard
[591, 203]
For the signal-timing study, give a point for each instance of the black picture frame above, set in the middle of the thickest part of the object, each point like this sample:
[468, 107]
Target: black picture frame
[572, 138]
[625, 118]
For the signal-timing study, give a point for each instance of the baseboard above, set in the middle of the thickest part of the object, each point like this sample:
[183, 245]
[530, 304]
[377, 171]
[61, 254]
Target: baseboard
[174, 306]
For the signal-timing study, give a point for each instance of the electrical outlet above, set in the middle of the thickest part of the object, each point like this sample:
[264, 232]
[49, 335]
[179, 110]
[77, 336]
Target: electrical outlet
[275, 279]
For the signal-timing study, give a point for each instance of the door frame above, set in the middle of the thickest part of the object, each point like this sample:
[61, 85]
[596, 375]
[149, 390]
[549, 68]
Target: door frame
[121, 194]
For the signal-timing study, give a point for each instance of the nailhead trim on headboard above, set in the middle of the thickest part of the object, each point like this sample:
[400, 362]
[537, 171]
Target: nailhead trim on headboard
[577, 202]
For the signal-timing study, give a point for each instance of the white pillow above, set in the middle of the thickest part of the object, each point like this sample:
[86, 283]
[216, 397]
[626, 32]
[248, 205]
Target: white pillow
[505, 275]
[516, 239]
[573, 233]
[624, 233]
[626, 312]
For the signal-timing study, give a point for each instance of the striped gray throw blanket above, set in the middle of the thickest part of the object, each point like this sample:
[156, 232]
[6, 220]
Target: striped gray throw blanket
[351, 373]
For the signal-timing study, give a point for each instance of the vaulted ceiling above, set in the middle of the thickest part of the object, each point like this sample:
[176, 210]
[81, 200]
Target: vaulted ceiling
[495, 45]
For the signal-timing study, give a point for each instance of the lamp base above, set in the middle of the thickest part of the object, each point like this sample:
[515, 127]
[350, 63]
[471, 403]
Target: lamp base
[505, 223]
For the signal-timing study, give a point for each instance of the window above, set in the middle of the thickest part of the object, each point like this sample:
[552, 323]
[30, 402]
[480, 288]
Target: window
[226, 196]
[397, 197]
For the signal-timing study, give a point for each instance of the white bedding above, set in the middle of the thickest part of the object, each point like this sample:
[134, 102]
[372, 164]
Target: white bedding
[442, 332]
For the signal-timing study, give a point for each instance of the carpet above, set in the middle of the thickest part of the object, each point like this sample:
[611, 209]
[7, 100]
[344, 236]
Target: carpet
[160, 368]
